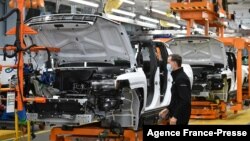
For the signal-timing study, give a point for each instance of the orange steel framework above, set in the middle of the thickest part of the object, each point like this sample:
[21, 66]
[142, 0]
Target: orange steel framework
[93, 132]
[24, 30]
[240, 44]
[203, 13]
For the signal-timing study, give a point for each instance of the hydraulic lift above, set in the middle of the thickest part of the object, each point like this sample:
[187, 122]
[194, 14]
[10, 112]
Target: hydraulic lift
[205, 14]
[94, 132]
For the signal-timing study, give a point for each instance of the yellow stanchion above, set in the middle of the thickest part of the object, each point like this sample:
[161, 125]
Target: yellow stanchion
[29, 132]
[16, 126]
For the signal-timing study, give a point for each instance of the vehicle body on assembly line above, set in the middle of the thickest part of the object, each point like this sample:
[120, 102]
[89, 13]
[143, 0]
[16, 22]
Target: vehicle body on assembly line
[95, 76]
[214, 69]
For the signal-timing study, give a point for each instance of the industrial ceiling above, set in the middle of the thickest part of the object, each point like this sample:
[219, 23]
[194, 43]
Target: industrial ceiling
[240, 8]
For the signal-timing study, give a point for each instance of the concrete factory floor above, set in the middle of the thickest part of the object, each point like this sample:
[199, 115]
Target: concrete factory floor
[241, 118]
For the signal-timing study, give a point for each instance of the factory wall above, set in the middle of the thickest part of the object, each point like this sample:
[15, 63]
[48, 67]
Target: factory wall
[1, 25]
[5, 25]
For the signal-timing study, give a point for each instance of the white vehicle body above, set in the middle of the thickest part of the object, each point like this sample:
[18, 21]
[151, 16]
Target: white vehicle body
[152, 59]
[96, 65]
[214, 74]
[160, 98]
[186, 67]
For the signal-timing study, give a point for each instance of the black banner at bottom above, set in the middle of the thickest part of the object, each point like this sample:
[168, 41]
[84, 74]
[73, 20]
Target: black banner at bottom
[160, 132]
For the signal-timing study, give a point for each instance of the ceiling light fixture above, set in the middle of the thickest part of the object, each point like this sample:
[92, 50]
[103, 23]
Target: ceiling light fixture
[124, 12]
[129, 2]
[86, 3]
[174, 25]
[168, 14]
[131, 21]
[173, 32]
[156, 11]
[149, 19]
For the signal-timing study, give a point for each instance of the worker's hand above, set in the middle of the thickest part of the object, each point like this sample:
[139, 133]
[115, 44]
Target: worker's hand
[163, 113]
[172, 121]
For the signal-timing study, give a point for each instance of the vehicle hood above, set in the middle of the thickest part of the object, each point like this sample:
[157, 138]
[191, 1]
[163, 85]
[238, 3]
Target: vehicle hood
[199, 50]
[82, 38]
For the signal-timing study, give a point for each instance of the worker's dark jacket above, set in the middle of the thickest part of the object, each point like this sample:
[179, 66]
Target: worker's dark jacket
[180, 105]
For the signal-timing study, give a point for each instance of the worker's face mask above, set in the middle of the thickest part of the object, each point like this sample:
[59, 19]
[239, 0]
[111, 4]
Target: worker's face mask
[169, 68]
